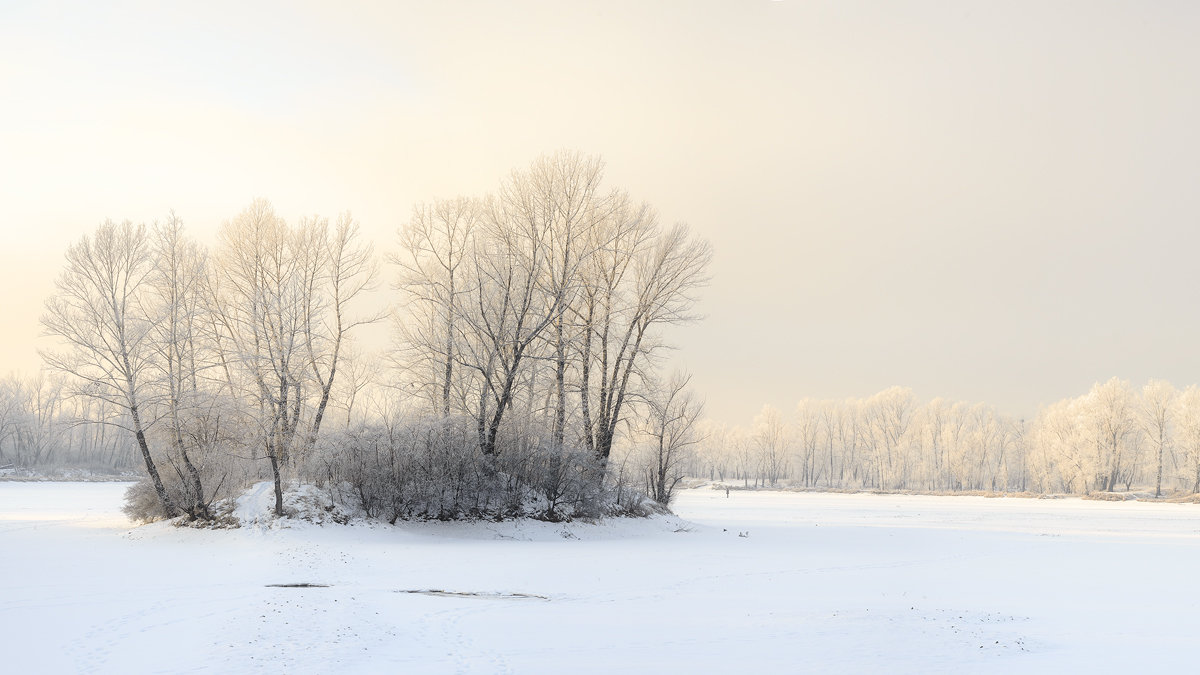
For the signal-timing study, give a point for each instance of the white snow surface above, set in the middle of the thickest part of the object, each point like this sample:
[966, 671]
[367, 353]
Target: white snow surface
[819, 583]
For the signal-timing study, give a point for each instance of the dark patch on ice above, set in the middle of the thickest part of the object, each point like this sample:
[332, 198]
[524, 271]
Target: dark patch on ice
[476, 594]
[303, 585]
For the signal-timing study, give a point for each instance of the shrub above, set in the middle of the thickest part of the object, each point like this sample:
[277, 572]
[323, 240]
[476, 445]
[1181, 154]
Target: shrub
[432, 468]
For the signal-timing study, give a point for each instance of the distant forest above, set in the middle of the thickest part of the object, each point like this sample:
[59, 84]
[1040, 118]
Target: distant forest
[1114, 438]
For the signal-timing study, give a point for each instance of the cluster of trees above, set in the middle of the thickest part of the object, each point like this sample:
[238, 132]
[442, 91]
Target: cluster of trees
[1115, 437]
[208, 361]
[531, 316]
[41, 426]
[543, 300]
[535, 312]
[888, 441]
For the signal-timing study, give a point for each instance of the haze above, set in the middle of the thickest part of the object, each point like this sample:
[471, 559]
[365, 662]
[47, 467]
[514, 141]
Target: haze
[984, 201]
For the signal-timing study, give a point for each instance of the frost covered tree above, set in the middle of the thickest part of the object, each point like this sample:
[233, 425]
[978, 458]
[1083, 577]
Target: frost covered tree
[34, 422]
[563, 190]
[177, 290]
[259, 302]
[513, 299]
[435, 247]
[933, 424]
[1188, 418]
[889, 441]
[771, 442]
[284, 304]
[342, 269]
[889, 414]
[1157, 416]
[645, 278]
[547, 297]
[671, 427]
[1110, 438]
[1112, 410]
[99, 311]
[808, 430]
[9, 415]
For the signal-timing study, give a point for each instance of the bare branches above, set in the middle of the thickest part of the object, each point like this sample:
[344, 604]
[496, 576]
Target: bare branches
[551, 270]
[435, 245]
[101, 310]
[283, 300]
[671, 427]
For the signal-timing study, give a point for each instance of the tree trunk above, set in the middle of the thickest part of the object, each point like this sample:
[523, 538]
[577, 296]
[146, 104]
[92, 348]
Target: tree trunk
[199, 508]
[275, 443]
[585, 365]
[560, 387]
[168, 506]
[449, 376]
[325, 389]
[278, 483]
[1158, 481]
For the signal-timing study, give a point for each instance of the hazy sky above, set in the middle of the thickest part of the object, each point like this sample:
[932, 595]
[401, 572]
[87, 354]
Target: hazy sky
[991, 201]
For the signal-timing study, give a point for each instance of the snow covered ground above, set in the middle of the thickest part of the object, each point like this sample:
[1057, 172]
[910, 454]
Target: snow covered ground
[822, 583]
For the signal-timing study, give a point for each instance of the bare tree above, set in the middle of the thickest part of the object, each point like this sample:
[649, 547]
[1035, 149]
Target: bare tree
[850, 434]
[32, 415]
[99, 312]
[436, 243]
[177, 287]
[771, 439]
[673, 411]
[889, 414]
[562, 190]
[807, 432]
[347, 269]
[1157, 413]
[1112, 411]
[933, 429]
[258, 293]
[647, 279]
[10, 409]
[515, 296]
[358, 374]
[1188, 417]
[550, 289]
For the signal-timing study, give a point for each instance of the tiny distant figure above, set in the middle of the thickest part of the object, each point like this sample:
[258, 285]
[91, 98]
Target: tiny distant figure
[726, 492]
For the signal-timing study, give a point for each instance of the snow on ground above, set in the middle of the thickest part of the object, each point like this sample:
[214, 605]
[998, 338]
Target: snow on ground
[820, 583]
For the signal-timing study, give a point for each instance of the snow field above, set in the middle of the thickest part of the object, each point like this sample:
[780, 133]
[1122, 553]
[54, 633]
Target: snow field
[821, 583]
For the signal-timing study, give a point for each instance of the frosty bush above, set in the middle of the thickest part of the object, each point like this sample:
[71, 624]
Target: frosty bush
[433, 468]
[222, 470]
[142, 503]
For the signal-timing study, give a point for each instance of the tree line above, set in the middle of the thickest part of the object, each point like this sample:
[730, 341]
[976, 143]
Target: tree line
[1116, 437]
[527, 344]
[41, 425]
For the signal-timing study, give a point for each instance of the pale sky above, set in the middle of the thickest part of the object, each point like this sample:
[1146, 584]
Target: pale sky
[988, 201]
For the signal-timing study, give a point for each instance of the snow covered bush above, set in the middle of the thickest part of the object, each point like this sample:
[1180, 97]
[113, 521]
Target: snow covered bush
[221, 477]
[142, 503]
[218, 463]
[433, 468]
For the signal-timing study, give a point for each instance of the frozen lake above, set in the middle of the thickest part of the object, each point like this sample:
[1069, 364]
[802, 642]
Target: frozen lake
[821, 583]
